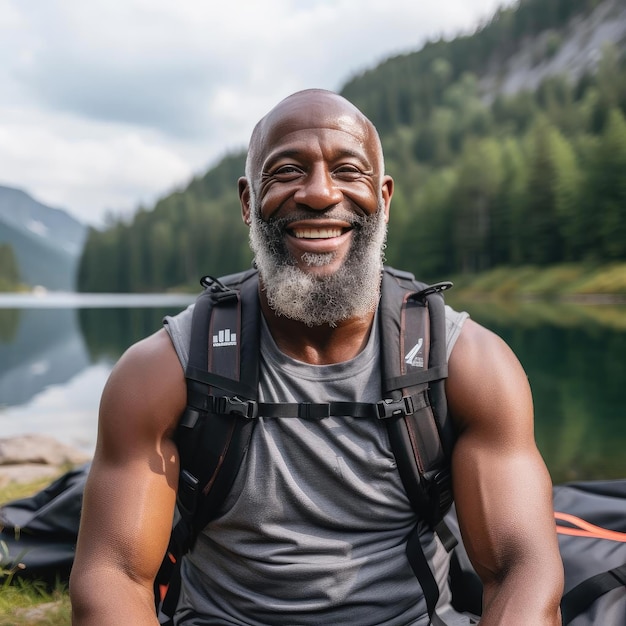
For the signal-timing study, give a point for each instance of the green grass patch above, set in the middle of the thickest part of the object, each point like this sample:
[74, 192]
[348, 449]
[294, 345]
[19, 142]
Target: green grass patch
[16, 490]
[554, 282]
[606, 280]
[25, 603]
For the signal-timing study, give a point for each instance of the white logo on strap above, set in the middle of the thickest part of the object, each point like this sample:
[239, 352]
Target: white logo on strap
[224, 338]
[413, 357]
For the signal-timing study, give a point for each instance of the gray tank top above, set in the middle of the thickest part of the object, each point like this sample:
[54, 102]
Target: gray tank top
[314, 530]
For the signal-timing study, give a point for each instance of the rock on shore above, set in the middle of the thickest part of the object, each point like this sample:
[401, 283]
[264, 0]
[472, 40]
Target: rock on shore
[27, 458]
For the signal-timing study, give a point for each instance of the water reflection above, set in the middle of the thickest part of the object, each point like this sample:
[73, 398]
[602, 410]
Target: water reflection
[574, 358]
[108, 332]
[42, 347]
[9, 323]
[54, 363]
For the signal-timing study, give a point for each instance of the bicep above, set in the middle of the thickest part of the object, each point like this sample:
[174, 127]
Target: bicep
[130, 493]
[502, 487]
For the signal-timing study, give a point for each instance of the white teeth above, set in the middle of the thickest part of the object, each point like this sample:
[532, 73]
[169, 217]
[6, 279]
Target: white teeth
[317, 233]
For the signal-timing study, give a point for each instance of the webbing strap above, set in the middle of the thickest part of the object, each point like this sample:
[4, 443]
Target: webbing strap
[583, 595]
[417, 378]
[407, 405]
[423, 573]
[234, 387]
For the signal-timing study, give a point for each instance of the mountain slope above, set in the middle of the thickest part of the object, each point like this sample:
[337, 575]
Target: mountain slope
[47, 242]
[574, 48]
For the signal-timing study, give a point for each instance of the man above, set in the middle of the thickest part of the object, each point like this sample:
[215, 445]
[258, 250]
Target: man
[314, 528]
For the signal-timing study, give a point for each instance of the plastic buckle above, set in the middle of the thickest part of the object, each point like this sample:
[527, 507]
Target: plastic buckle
[436, 288]
[393, 408]
[219, 291]
[213, 283]
[232, 405]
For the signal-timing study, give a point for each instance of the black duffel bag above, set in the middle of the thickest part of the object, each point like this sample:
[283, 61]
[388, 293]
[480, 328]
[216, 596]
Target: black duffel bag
[38, 533]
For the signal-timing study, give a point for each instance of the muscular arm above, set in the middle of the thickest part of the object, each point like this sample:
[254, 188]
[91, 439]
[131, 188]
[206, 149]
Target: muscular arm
[502, 488]
[130, 493]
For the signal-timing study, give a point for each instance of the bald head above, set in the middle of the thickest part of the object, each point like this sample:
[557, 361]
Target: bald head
[309, 109]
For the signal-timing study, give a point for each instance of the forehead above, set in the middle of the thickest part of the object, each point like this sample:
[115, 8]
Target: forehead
[302, 117]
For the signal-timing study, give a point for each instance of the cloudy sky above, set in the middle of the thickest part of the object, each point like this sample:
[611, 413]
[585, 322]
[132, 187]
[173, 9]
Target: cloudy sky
[109, 104]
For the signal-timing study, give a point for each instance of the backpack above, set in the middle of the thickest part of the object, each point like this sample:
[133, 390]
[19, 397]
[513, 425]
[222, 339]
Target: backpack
[222, 379]
[591, 527]
[215, 428]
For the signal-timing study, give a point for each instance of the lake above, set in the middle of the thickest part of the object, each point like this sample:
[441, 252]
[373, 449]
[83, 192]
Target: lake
[56, 352]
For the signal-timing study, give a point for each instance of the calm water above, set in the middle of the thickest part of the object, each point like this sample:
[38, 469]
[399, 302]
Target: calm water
[55, 356]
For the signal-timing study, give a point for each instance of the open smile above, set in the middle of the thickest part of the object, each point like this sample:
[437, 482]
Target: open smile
[318, 233]
[327, 229]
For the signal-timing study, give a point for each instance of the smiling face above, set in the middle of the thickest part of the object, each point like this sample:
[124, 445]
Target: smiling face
[318, 204]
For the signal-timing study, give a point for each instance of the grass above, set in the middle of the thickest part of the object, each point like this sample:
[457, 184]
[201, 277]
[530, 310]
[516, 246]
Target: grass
[16, 490]
[567, 281]
[25, 603]
[29, 603]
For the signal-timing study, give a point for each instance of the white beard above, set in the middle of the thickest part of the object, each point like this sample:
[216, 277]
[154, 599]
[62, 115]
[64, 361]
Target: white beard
[352, 291]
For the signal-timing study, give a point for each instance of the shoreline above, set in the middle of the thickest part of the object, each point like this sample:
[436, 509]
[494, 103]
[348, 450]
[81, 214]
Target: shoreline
[33, 458]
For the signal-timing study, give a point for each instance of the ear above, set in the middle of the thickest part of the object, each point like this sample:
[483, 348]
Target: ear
[387, 192]
[244, 198]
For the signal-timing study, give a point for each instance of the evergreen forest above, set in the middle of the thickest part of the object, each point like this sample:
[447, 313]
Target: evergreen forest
[10, 277]
[483, 179]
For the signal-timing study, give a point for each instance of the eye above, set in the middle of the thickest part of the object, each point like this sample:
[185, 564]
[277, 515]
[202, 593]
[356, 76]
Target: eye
[347, 172]
[286, 172]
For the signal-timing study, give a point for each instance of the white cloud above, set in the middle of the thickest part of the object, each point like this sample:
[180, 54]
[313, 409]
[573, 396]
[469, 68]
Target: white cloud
[109, 104]
[88, 166]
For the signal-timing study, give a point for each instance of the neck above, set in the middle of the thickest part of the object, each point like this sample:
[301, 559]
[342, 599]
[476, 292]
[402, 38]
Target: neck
[318, 345]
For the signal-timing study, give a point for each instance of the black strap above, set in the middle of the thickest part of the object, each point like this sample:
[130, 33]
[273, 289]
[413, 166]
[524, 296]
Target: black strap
[583, 595]
[228, 385]
[417, 378]
[423, 573]
[233, 405]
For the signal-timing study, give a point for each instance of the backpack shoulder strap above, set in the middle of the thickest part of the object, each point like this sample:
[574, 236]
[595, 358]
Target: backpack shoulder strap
[214, 431]
[414, 371]
[222, 370]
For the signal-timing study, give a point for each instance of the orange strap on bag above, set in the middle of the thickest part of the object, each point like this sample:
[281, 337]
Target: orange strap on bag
[582, 528]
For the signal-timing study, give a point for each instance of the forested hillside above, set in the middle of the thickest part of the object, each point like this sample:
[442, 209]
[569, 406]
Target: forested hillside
[484, 177]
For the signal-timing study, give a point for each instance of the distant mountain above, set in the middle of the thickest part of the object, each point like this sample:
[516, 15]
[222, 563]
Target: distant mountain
[573, 47]
[47, 242]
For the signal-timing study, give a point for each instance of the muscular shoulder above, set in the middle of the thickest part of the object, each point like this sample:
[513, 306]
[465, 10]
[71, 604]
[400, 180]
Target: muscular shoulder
[145, 393]
[487, 387]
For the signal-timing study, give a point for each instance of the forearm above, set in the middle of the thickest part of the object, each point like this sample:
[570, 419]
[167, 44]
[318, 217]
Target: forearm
[110, 598]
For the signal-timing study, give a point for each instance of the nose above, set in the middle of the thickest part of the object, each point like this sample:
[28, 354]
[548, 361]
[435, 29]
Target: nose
[318, 190]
